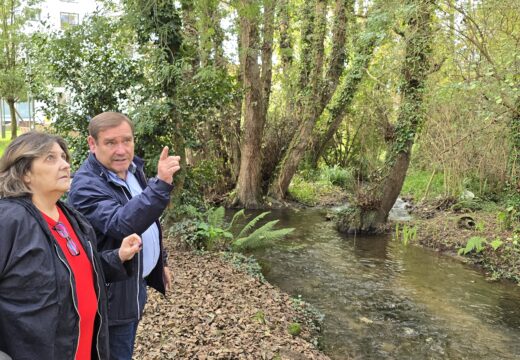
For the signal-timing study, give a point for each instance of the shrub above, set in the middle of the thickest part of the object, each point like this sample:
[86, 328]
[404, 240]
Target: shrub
[337, 176]
[214, 233]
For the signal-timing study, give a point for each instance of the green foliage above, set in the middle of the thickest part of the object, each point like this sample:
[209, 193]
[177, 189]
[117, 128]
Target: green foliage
[416, 184]
[506, 218]
[496, 243]
[480, 226]
[406, 233]
[475, 243]
[244, 263]
[294, 329]
[467, 205]
[310, 191]
[303, 191]
[184, 232]
[510, 217]
[92, 65]
[13, 16]
[259, 316]
[338, 176]
[216, 234]
[261, 236]
[4, 143]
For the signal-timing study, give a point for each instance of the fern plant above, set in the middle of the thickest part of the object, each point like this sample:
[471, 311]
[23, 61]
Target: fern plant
[217, 234]
[475, 243]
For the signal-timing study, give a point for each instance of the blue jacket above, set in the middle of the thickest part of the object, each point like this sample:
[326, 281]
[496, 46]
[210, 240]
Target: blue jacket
[38, 316]
[114, 214]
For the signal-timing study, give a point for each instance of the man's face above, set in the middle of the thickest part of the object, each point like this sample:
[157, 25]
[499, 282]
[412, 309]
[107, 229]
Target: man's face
[114, 148]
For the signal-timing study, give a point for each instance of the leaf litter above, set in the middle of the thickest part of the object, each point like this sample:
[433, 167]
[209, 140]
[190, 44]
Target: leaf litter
[215, 311]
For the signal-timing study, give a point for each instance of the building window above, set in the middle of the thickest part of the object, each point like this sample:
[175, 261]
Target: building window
[34, 14]
[68, 19]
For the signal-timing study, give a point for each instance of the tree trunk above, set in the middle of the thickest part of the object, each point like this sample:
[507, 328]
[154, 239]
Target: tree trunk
[249, 179]
[321, 93]
[14, 122]
[339, 105]
[306, 41]
[311, 103]
[373, 205]
[514, 157]
[286, 47]
[343, 14]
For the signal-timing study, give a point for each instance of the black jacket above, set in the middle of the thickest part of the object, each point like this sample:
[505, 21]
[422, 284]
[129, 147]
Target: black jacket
[114, 214]
[38, 318]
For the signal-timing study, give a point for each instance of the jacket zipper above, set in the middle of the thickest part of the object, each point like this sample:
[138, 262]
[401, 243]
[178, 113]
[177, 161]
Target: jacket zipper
[73, 298]
[99, 292]
[138, 266]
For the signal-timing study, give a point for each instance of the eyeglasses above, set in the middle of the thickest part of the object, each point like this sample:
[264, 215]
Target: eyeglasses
[71, 245]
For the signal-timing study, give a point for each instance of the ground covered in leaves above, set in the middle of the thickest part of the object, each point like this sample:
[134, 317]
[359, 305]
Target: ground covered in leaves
[216, 311]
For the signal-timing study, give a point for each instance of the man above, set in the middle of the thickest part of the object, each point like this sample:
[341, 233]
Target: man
[110, 189]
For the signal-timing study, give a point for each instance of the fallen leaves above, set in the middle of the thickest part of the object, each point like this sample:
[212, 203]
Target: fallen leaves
[212, 312]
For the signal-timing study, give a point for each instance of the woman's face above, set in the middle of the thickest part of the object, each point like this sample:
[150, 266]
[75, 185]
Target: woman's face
[49, 175]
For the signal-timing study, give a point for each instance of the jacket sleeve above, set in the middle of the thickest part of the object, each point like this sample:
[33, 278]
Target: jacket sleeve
[113, 268]
[28, 309]
[96, 199]
[6, 245]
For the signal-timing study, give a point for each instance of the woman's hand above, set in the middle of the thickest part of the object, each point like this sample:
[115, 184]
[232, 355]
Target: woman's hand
[130, 246]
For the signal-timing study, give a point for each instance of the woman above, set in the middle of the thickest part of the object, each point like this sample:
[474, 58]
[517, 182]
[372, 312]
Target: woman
[52, 295]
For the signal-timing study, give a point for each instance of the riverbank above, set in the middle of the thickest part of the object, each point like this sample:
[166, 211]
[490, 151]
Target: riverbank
[215, 311]
[496, 247]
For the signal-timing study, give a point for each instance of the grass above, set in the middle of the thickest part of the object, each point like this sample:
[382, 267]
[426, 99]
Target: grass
[313, 193]
[303, 191]
[416, 183]
[4, 142]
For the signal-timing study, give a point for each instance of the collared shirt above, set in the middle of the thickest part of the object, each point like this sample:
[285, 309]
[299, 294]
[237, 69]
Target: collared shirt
[150, 237]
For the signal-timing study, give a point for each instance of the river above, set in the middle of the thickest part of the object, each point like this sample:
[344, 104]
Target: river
[384, 300]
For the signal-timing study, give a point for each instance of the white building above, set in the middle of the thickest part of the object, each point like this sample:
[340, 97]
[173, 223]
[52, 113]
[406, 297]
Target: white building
[58, 14]
[49, 15]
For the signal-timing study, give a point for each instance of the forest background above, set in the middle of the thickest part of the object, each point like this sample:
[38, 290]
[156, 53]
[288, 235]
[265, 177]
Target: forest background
[275, 100]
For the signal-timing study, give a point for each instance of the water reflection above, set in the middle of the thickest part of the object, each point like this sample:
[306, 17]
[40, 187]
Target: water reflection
[382, 300]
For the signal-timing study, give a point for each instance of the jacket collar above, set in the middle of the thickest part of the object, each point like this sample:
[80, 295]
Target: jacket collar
[71, 214]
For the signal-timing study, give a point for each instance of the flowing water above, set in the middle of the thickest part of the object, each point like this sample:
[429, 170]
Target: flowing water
[384, 300]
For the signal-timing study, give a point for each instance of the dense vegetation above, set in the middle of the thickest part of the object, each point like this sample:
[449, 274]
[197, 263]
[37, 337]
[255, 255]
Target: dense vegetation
[274, 100]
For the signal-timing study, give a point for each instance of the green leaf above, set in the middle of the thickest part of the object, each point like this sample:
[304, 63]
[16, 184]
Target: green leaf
[474, 243]
[240, 214]
[495, 244]
[261, 236]
[216, 217]
[251, 224]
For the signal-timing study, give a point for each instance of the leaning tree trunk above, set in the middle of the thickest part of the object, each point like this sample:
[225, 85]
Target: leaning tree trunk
[374, 204]
[343, 93]
[311, 85]
[514, 157]
[267, 53]
[12, 111]
[340, 104]
[248, 192]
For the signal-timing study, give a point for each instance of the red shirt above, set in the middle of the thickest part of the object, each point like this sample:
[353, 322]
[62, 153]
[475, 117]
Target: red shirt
[84, 279]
